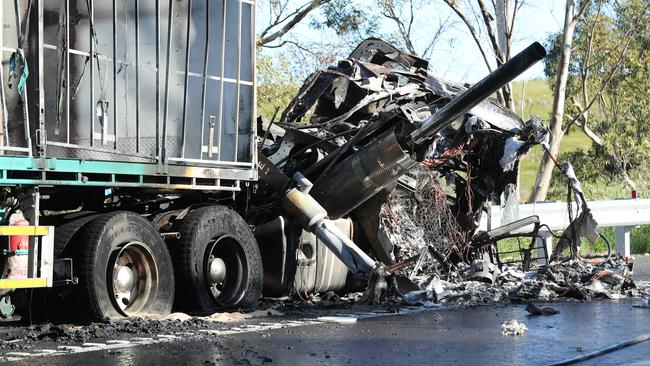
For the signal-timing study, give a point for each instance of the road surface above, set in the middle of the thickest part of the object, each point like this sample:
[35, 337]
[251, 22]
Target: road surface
[462, 336]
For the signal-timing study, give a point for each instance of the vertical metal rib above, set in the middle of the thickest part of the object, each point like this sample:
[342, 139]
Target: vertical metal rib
[20, 37]
[239, 21]
[42, 135]
[170, 15]
[253, 104]
[5, 113]
[137, 76]
[91, 21]
[114, 77]
[205, 71]
[158, 79]
[187, 64]
[67, 71]
[223, 57]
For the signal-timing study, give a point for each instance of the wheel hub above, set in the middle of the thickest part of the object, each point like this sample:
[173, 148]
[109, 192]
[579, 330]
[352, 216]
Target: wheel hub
[225, 267]
[123, 278]
[135, 278]
[216, 270]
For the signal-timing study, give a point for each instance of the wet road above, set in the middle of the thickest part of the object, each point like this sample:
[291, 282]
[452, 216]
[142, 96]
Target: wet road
[440, 336]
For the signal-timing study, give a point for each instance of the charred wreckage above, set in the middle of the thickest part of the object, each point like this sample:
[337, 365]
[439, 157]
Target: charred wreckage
[375, 147]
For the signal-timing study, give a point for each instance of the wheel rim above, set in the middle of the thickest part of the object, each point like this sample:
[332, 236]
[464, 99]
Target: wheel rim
[226, 270]
[133, 278]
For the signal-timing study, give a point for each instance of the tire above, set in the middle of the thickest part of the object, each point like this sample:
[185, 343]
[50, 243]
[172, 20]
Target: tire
[59, 300]
[65, 235]
[124, 268]
[217, 232]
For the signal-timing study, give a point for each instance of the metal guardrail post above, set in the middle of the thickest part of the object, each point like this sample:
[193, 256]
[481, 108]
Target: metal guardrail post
[547, 243]
[622, 235]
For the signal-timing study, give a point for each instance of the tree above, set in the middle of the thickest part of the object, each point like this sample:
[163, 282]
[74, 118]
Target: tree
[402, 13]
[498, 22]
[282, 20]
[605, 85]
[277, 84]
[283, 58]
[392, 20]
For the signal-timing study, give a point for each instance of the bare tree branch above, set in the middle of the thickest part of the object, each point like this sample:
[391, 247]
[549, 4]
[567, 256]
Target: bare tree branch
[491, 33]
[442, 27]
[584, 72]
[454, 6]
[584, 5]
[390, 13]
[292, 22]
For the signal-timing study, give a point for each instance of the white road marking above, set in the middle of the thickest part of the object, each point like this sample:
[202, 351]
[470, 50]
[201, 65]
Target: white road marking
[162, 338]
[168, 336]
[70, 348]
[141, 339]
[50, 351]
[90, 344]
[117, 341]
[19, 354]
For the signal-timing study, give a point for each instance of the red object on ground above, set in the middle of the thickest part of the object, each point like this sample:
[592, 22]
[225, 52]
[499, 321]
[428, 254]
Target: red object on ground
[633, 193]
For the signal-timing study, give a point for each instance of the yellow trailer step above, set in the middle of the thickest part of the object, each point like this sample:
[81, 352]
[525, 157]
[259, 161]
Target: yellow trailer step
[23, 283]
[24, 230]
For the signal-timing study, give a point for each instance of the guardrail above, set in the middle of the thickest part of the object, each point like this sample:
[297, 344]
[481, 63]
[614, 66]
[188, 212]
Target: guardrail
[621, 214]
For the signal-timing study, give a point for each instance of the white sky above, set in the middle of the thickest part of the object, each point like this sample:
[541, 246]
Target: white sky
[456, 56]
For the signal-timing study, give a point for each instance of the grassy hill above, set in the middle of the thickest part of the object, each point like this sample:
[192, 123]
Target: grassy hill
[537, 98]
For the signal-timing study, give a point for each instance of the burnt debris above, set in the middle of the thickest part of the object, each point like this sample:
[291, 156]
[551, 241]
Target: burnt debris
[377, 121]
[414, 161]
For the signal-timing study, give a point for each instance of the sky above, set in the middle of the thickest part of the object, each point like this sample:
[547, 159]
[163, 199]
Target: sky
[456, 56]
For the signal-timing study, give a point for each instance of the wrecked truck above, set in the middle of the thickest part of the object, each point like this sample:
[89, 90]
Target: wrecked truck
[136, 179]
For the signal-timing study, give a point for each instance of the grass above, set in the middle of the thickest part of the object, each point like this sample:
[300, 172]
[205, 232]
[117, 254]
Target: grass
[537, 99]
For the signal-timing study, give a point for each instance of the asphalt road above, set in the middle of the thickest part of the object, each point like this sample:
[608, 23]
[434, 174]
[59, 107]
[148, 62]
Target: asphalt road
[440, 336]
[416, 336]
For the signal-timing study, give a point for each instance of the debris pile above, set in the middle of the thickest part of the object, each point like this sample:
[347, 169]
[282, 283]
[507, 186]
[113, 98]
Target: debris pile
[415, 220]
[571, 280]
[513, 328]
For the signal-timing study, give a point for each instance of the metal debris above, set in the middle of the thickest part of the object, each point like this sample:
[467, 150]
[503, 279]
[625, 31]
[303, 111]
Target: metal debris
[535, 310]
[513, 328]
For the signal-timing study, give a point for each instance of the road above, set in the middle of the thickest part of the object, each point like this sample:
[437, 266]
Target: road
[422, 336]
[445, 335]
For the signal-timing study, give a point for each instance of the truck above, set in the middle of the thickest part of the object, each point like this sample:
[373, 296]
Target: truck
[137, 179]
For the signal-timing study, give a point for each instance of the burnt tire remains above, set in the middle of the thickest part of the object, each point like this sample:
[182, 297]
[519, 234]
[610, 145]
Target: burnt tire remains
[217, 262]
[124, 268]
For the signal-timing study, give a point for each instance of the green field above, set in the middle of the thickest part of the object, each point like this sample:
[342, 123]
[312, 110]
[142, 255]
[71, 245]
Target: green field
[537, 99]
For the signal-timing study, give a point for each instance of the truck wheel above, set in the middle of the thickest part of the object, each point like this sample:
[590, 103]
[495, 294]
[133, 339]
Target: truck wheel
[124, 268]
[218, 262]
[65, 234]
